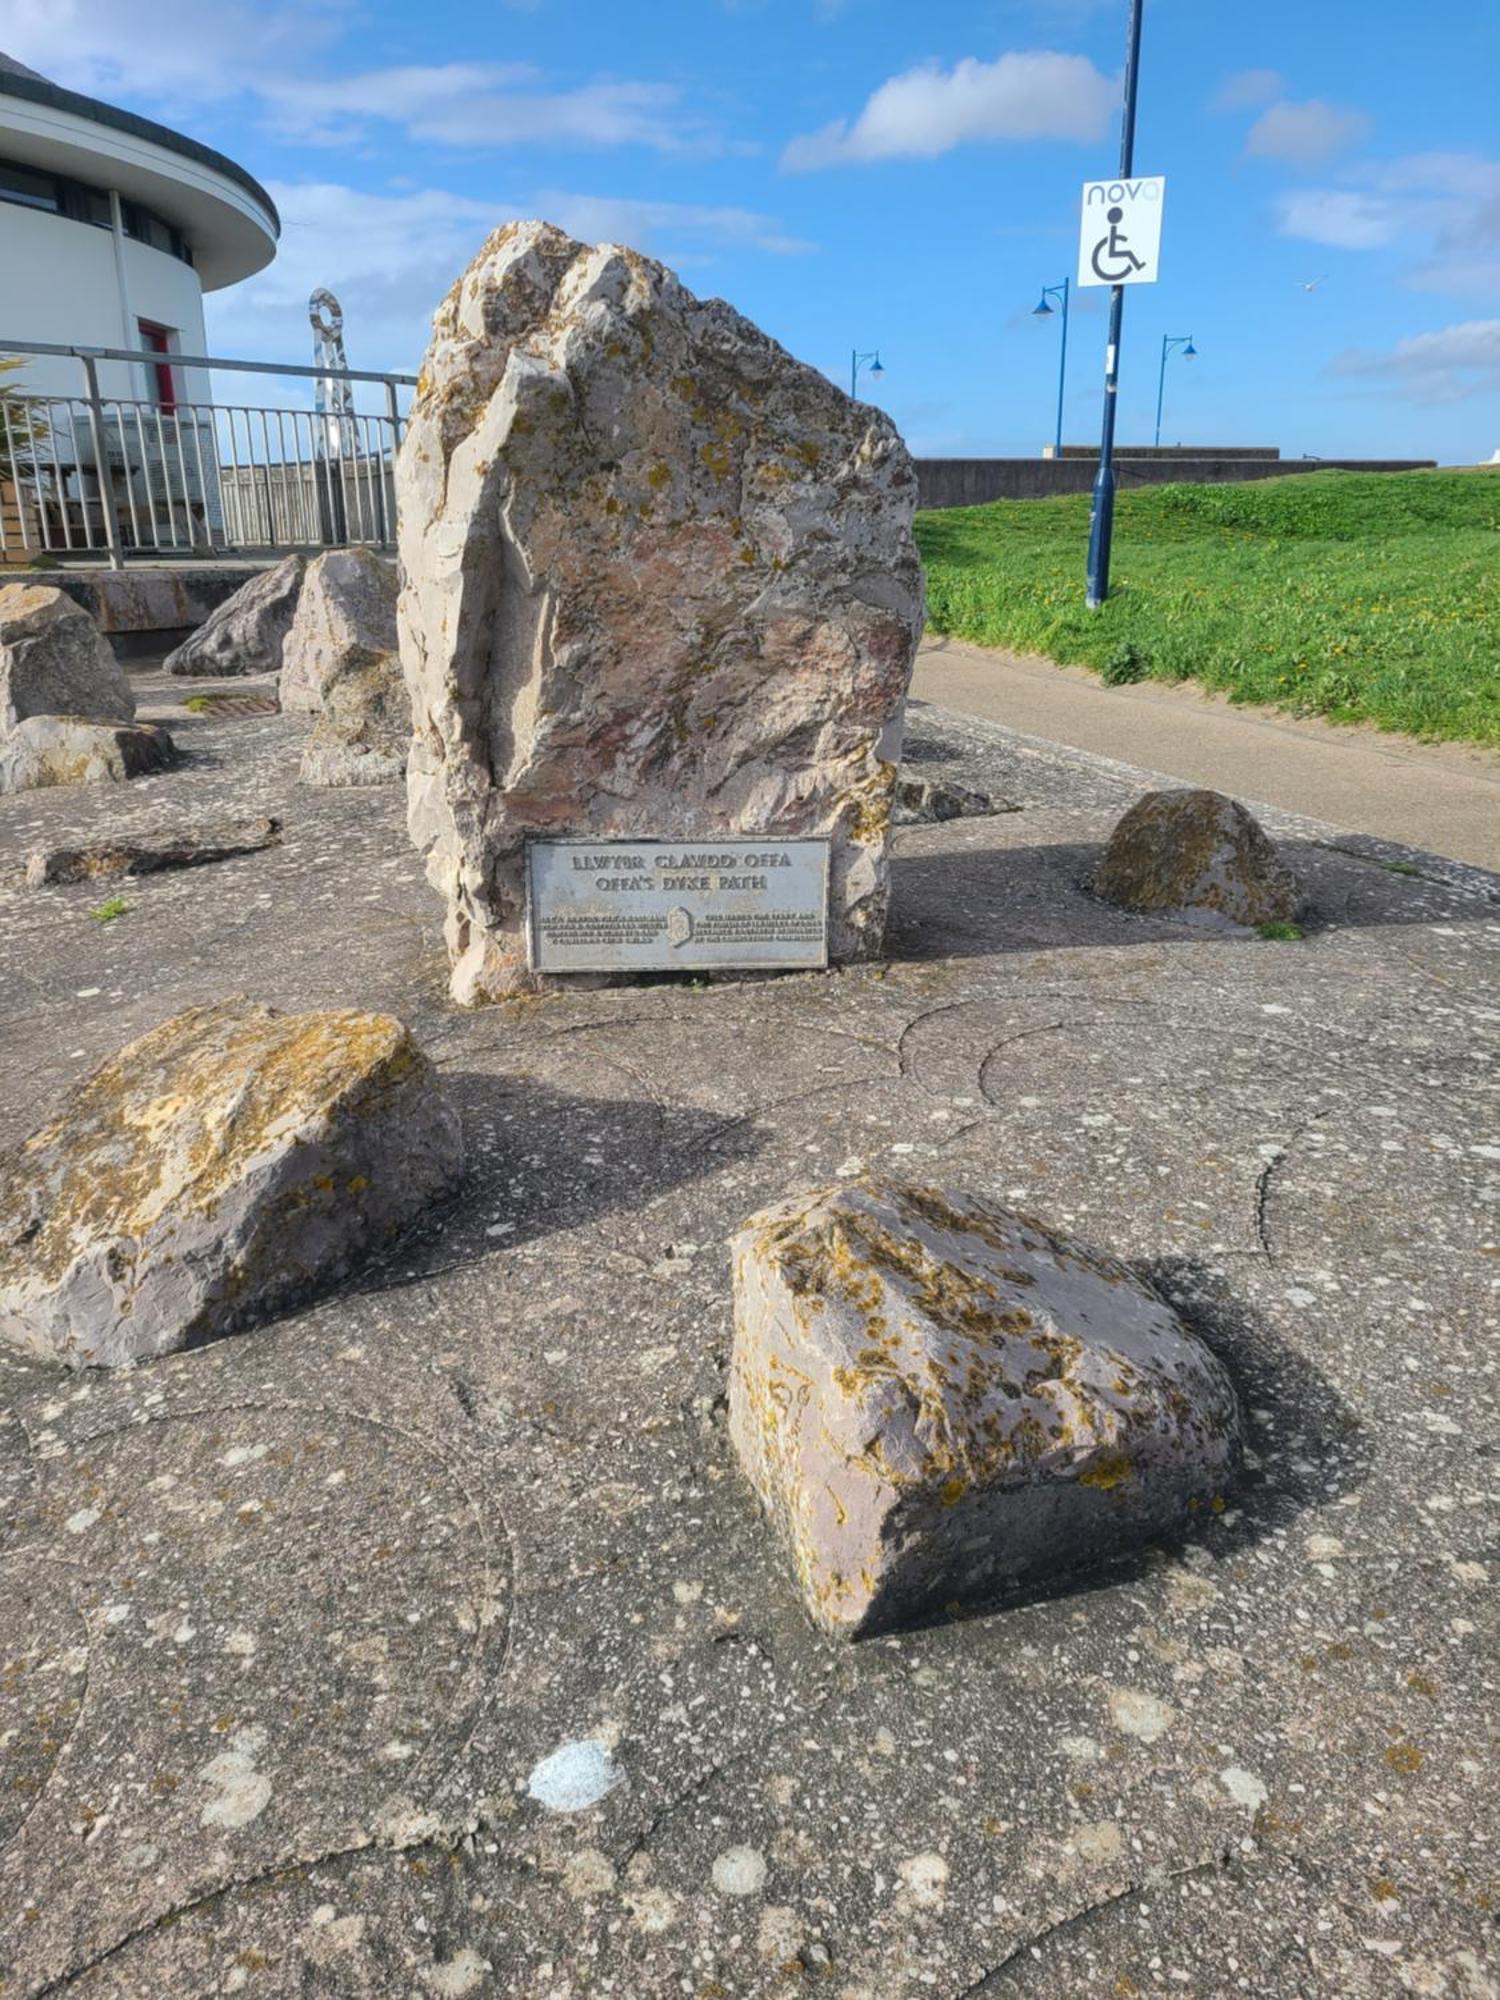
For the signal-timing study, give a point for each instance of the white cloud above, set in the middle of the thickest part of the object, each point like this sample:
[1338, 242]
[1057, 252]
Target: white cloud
[1443, 206]
[177, 54]
[392, 257]
[1340, 218]
[1304, 133]
[1442, 367]
[481, 104]
[176, 51]
[1247, 89]
[1034, 94]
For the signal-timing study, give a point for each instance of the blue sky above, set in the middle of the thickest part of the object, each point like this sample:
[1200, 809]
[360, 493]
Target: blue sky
[861, 173]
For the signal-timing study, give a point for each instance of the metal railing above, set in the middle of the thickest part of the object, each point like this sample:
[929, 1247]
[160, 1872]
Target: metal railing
[93, 476]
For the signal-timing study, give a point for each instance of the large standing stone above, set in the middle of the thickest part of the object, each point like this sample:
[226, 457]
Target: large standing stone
[658, 581]
[64, 750]
[54, 660]
[1200, 856]
[247, 632]
[936, 1398]
[363, 735]
[227, 1163]
[345, 623]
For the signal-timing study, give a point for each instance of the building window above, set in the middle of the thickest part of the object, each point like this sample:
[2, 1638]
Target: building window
[147, 227]
[28, 189]
[80, 202]
[158, 340]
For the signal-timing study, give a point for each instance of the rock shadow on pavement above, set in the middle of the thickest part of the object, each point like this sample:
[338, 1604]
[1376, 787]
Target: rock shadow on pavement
[1305, 1447]
[973, 901]
[541, 1162]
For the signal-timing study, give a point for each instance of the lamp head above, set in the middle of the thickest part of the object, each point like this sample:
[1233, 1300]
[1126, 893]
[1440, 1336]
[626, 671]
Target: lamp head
[1189, 351]
[875, 367]
[1043, 311]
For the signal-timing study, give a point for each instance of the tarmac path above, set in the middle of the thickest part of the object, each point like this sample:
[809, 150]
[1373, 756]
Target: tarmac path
[1444, 797]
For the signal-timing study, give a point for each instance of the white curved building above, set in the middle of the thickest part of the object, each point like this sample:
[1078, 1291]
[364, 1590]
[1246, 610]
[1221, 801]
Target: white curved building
[111, 230]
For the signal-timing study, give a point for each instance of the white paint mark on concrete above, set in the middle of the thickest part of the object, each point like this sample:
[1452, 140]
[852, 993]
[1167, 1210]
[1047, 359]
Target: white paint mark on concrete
[82, 1521]
[453, 1978]
[576, 1776]
[739, 1871]
[1243, 1787]
[243, 1792]
[925, 1877]
[1140, 1715]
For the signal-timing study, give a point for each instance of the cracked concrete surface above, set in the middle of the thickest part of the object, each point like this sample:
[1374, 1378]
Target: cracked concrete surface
[288, 1623]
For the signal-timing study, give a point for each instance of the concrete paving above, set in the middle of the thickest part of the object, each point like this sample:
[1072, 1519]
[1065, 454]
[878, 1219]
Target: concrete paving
[1445, 797]
[427, 1642]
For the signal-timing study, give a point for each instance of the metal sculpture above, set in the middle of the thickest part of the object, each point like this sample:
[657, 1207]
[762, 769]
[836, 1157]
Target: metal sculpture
[336, 431]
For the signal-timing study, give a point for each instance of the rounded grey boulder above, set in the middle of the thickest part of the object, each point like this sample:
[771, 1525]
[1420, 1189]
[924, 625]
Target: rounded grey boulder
[1200, 856]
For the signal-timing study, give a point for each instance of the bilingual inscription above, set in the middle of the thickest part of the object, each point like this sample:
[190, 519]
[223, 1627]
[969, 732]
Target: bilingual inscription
[685, 905]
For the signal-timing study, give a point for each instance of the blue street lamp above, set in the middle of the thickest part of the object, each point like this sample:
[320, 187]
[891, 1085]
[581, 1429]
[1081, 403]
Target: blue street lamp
[1168, 342]
[870, 362]
[1044, 311]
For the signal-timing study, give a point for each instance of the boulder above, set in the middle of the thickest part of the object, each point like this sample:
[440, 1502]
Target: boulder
[345, 622]
[1199, 856]
[936, 1398]
[179, 847]
[364, 732]
[54, 660]
[228, 1163]
[247, 632]
[65, 750]
[658, 582]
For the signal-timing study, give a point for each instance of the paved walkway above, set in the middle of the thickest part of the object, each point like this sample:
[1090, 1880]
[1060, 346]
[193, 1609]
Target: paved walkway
[1442, 797]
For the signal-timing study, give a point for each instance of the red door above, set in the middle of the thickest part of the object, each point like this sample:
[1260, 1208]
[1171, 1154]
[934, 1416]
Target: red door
[158, 340]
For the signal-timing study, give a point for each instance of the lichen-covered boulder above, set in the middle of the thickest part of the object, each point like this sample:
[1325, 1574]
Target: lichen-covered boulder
[345, 623]
[228, 1163]
[54, 660]
[658, 581]
[247, 632]
[1200, 856]
[363, 735]
[67, 750]
[936, 1398]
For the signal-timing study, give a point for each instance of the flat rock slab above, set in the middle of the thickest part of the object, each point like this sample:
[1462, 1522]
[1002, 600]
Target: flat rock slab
[48, 750]
[1201, 857]
[227, 1163]
[936, 1399]
[497, 1513]
[179, 847]
[921, 800]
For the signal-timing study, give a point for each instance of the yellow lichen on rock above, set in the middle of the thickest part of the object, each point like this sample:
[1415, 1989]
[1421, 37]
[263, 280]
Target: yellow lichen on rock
[223, 1162]
[977, 1398]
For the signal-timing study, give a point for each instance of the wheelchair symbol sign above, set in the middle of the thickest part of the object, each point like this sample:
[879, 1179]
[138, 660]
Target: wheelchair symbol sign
[1119, 240]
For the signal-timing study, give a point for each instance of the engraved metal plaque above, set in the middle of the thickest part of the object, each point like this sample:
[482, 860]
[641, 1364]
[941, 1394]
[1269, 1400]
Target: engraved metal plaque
[676, 905]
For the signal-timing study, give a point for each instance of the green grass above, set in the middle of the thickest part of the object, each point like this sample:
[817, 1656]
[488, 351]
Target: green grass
[107, 911]
[1363, 597]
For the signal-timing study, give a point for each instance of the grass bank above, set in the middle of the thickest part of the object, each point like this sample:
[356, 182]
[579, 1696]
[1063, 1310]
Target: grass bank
[1364, 597]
